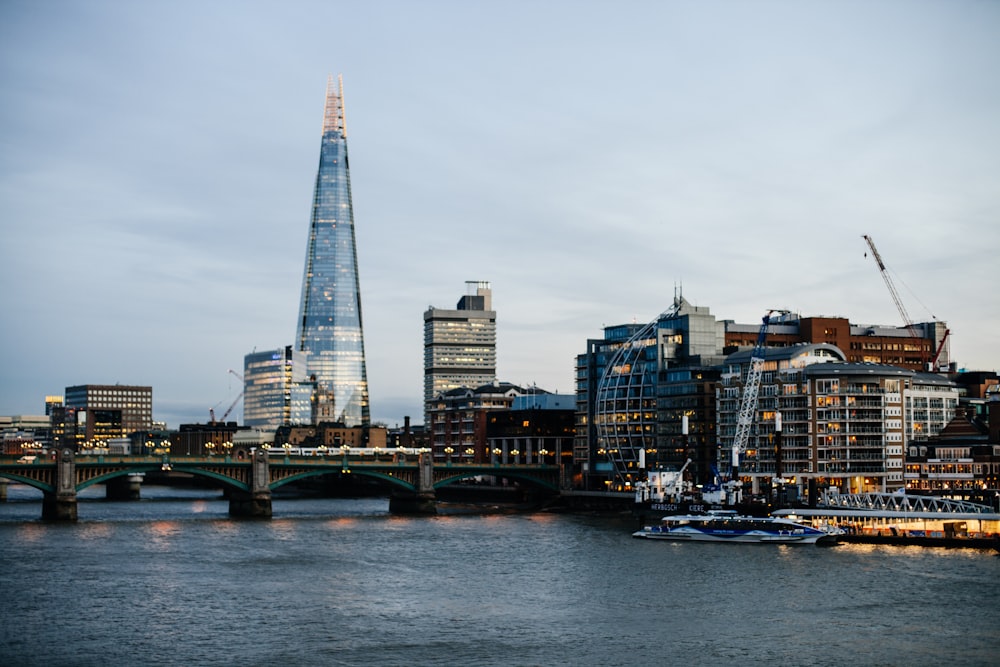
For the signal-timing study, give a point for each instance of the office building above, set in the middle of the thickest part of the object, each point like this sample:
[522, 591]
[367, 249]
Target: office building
[460, 345]
[635, 386]
[276, 390]
[94, 413]
[329, 326]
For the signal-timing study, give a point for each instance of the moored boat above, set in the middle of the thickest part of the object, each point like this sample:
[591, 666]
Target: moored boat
[732, 527]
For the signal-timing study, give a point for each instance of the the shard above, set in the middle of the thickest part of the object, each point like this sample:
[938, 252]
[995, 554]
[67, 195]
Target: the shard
[329, 325]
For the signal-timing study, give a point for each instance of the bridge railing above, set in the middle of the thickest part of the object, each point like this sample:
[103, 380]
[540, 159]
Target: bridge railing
[899, 502]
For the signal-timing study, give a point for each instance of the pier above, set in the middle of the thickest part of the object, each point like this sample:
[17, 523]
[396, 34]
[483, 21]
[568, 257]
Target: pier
[900, 519]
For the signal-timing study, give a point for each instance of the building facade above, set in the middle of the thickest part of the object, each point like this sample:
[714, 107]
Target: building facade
[843, 425]
[276, 389]
[538, 428]
[456, 419]
[94, 413]
[328, 438]
[634, 389]
[460, 345]
[914, 349]
[329, 326]
[962, 461]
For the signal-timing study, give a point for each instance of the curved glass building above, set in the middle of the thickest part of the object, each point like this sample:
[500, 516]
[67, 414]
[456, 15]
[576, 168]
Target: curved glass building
[329, 325]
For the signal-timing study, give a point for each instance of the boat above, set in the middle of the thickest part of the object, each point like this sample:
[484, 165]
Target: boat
[727, 526]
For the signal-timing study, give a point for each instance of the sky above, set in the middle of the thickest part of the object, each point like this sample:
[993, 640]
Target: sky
[588, 159]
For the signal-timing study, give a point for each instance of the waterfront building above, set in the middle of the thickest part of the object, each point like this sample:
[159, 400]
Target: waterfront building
[276, 389]
[686, 391]
[635, 386]
[844, 425]
[329, 326]
[94, 413]
[156, 440]
[215, 438]
[330, 436]
[24, 434]
[457, 418]
[912, 348]
[246, 439]
[407, 436]
[538, 428]
[596, 469]
[963, 460]
[460, 344]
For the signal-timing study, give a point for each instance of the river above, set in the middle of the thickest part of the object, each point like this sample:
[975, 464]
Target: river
[172, 580]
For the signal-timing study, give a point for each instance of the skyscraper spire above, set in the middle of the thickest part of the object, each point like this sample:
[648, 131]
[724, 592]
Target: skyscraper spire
[333, 113]
[329, 325]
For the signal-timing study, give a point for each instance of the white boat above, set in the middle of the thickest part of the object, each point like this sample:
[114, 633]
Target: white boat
[731, 527]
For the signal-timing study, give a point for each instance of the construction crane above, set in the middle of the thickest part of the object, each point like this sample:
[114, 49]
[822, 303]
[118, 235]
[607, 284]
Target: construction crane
[211, 411]
[748, 404]
[916, 335]
[940, 348]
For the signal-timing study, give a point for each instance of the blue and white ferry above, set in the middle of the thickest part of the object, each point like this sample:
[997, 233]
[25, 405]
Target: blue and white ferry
[725, 526]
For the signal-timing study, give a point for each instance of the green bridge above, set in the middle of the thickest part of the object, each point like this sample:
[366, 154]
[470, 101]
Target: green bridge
[249, 483]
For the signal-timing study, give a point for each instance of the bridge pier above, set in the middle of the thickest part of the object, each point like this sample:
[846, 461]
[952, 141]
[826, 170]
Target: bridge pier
[255, 503]
[249, 505]
[60, 505]
[3, 489]
[412, 503]
[124, 488]
[424, 500]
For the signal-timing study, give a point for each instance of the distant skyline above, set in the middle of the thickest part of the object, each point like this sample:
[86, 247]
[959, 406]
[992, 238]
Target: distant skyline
[585, 158]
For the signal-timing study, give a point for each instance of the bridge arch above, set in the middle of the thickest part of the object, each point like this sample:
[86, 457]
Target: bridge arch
[41, 485]
[447, 478]
[392, 480]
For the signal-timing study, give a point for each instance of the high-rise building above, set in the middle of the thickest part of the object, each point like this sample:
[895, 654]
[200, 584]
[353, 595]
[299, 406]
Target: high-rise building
[329, 330]
[276, 390]
[460, 345]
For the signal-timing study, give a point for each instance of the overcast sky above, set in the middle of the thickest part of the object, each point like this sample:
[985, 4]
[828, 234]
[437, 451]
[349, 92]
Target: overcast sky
[157, 162]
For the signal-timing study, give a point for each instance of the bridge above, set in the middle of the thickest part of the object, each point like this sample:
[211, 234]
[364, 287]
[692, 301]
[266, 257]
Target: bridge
[249, 483]
[899, 502]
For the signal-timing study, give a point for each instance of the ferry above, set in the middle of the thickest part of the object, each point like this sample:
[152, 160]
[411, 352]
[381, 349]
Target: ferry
[728, 526]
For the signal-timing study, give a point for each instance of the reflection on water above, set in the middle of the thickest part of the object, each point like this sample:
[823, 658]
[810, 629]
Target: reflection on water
[172, 579]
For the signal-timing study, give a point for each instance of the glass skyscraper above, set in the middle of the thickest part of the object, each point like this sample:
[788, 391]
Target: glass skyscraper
[276, 391]
[329, 325]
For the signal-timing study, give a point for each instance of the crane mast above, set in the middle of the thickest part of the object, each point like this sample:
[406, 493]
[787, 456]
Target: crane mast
[895, 295]
[751, 389]
[211, 411]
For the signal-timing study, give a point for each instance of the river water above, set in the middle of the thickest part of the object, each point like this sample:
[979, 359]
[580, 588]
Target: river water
[172, 580]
